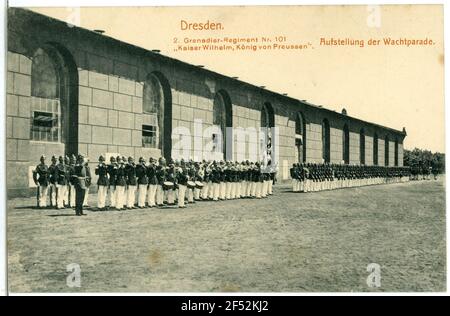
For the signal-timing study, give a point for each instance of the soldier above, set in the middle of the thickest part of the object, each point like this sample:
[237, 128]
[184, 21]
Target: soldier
[71, 181]
[266, 177]
[202, 176]
[235, 179]
[293, 172]
[88, 182]
[152, 183]
[238, 180]
[207, 184]
[223, 182]
[215, 179]
[125, 164]
[182, 175]
[227, 176]
[189, 168]
[211, 180]
[103, 182]
[66, 201]
[53, 174]
[244, 179]
[161, 178]
[80, 179]
[142, 182]
[112, 172]
[61, 182]
[130, 170]
[171, 177]
[41, 179]
[198, 178]
[120, 183]
[249, 179]
[272, 177]
[258, 180]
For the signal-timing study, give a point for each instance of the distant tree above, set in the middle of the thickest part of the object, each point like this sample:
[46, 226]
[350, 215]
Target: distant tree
[420, 160]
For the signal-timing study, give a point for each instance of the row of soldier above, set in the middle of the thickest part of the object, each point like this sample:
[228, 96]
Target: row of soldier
[155, 183]
[311, 177]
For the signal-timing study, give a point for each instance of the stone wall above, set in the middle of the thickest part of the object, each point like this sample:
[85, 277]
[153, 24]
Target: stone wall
[108, 77]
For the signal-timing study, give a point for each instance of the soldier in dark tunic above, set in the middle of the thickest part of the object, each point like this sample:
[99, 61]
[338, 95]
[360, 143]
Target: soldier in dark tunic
[182, 177]
[152, 183]
[70, 168]
[61, 182]
[130, 170]
[142, 182]
[161, 174]
[121, 183]
[53, 174]
[80, 176]
[112, 172]
[41, 179]
[88, 182]
[103, 182]
[170, 177]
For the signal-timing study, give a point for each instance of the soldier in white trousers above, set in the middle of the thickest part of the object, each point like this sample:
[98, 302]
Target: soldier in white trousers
[120, 184]
[160, 174]
[142, 182]
[41, 179]
[88, 182]
[130, 171]
[103, 182]
[61, 182]
[171, 177]
[52, 175]
[112, 173]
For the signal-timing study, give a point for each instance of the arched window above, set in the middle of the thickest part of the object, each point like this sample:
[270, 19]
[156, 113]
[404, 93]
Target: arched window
[396, 153]
[267, 123]
[45, 98]
[362, 147]
[153, 104]
[326, 140]
[346, 145]
[152, 95]
[386, 151]
[375, 149]
[300, 137]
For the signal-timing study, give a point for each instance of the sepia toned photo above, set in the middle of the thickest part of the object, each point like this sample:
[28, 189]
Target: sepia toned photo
[238, 149]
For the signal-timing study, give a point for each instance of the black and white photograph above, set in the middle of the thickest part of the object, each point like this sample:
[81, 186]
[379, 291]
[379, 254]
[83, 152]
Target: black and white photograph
[225, 149]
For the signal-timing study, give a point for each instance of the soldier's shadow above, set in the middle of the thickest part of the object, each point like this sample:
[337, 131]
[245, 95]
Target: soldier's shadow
[34, 208]
[58, 215]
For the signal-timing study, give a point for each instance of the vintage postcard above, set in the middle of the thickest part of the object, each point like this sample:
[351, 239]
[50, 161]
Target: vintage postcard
[212, 149]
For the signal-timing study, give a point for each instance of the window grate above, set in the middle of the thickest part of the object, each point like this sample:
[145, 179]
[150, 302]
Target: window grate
[149, 136]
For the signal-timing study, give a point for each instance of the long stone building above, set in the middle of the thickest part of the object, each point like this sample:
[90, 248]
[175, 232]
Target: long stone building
[72, 90]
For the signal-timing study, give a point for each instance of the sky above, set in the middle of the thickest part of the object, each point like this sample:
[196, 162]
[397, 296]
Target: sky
[395, 86]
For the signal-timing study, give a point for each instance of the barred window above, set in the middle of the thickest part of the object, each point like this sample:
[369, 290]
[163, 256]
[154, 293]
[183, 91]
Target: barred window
[149, 136]
[45, 99]
[45, 120]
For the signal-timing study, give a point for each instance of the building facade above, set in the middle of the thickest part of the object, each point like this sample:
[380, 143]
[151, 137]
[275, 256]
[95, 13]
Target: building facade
[72, 90]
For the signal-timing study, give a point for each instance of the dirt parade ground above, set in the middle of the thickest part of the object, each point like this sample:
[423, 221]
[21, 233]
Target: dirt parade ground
[289, 242]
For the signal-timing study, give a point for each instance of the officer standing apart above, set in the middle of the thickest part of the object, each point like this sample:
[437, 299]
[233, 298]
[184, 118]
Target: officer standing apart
[81, 185]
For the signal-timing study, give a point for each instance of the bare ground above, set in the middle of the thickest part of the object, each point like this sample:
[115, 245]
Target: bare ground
[290, 242]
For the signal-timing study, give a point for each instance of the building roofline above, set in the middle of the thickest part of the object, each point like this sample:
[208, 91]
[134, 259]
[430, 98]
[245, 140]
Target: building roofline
[206, 71]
